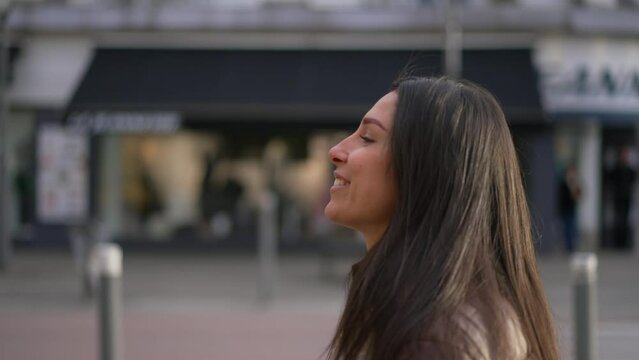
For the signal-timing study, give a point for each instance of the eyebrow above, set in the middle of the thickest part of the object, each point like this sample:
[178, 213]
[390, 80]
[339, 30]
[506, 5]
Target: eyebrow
[373, 121]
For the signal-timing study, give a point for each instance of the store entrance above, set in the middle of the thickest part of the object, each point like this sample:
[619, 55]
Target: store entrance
[202, 186]
[619, 179]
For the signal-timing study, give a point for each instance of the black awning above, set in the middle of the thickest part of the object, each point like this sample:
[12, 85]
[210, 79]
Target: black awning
[282, 85]
[511, 77]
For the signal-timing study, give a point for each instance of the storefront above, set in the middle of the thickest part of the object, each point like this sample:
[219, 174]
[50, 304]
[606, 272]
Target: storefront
[590, 88]
[185, 141]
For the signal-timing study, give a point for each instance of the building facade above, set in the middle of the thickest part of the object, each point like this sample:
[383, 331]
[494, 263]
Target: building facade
[167, 121]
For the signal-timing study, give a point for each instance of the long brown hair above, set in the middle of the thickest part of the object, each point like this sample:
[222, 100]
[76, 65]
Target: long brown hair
[460, 236]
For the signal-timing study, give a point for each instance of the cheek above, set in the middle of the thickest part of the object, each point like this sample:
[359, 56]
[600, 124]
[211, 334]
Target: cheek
[378, 185]
[387, 186]
[388, 193]
[378, 201]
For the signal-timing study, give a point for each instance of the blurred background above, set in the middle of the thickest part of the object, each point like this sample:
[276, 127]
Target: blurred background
[175, 128]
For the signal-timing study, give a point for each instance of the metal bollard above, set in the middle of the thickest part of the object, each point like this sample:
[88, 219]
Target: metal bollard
[81, 249]
[267, 248]
[584, 270]
[109, 258]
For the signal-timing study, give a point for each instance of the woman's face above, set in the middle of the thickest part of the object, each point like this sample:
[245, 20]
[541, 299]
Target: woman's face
[363, 194]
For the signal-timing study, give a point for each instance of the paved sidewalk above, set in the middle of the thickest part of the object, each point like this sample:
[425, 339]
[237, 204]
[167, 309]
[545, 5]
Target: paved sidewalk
[203, 306]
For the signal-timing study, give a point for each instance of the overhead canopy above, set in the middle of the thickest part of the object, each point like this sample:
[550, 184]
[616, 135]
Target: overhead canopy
[284, 85]
[511, 77]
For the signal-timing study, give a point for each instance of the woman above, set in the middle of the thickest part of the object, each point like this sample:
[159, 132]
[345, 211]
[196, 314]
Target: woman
[431, 179]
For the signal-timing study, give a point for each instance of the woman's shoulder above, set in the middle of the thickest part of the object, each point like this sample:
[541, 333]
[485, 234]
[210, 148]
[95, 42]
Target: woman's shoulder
[473, 321]
[470, 321]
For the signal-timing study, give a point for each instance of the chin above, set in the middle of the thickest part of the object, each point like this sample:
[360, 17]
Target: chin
[332, 213]
[329, 212]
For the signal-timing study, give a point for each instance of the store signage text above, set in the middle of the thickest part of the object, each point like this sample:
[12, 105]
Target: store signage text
[100, 122]
[589, 76]
[599, 89]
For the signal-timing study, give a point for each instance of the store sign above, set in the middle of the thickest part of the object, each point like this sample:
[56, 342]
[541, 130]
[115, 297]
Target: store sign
[103, 122]
[62, 175]
[589, 76]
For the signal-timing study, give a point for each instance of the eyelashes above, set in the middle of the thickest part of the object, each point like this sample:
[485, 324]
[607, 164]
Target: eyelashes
[366, 139]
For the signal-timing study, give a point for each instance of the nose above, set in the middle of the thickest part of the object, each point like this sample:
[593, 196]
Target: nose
[338, 154]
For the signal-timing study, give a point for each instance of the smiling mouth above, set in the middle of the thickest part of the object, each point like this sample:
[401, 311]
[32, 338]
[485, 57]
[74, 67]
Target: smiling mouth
[340, 182]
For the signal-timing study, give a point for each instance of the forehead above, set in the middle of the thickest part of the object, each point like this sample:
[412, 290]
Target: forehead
[384, 109]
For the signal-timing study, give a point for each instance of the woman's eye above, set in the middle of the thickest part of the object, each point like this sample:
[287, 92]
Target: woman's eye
[366, 139]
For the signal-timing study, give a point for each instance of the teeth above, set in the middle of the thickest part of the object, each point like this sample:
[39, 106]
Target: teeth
[339, 182]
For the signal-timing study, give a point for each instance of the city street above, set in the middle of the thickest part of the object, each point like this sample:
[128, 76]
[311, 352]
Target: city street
[203, 306]
[192, 132]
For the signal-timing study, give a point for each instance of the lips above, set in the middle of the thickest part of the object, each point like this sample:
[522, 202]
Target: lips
[340, 180]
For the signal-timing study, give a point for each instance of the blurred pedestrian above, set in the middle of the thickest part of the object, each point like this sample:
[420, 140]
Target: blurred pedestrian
[431, 179]
[622, 178]
[152, 203]
[569, 194]
[208, 191]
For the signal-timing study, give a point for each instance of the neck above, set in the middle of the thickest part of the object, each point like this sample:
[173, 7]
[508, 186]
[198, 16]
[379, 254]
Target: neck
[373, 235]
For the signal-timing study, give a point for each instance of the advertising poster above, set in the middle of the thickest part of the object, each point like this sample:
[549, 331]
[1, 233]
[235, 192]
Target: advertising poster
[63, 178]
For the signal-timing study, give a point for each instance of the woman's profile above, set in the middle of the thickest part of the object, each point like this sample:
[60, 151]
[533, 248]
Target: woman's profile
[431, 180]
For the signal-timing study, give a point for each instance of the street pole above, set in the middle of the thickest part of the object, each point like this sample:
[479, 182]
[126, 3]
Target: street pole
[453, 46]
[584, 269]
[109, 257]
[5, 236]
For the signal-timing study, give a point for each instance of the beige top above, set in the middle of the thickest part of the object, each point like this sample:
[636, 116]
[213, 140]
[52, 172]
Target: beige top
[479, 334]
[471, 322]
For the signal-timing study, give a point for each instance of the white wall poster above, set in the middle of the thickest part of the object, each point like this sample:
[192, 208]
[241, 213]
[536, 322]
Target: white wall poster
[63, 177]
